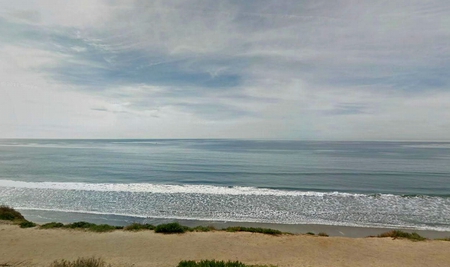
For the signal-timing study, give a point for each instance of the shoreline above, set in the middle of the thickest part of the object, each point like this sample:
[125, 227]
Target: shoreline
[40, 216]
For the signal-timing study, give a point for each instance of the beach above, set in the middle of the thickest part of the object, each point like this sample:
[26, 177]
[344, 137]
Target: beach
[39, 247]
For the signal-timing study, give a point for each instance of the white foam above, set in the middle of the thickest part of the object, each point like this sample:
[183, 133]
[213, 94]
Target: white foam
[168, 189]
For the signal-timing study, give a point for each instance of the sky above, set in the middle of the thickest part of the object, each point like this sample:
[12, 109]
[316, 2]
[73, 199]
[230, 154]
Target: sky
[300, 69]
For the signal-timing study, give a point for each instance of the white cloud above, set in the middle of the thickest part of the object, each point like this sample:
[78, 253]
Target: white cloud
[308, 70]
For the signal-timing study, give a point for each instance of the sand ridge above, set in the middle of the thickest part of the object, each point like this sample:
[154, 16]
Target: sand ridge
[38, 247]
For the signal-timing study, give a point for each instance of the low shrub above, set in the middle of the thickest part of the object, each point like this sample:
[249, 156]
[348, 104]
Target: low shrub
[266, 231]
[214, 263]
[27, 224]
[10, 214]
[202, 228]
[81, 262]
[400, 234]
[102, 228]
[83, 225]
[52, 225]
[139, 226]
[91, 226]
[322, 234]
[310, 233]
[171, 228]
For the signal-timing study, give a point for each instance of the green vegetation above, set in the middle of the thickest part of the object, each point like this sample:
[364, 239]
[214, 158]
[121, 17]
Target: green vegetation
[91, 227]
[10, 214]
[27, 224]
[266, 231]
[310, 233]
[202, 229]
[400, 234]
[213, 263]
[322, 234]
[444, 239]
[171, 228]
[98, 262]
[81, 262]
[139, 226]
[52, 225]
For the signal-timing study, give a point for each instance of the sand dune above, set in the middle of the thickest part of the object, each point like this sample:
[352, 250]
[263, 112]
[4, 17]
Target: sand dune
[36, 247]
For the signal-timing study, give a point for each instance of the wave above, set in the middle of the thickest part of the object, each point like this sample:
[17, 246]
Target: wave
[192, 189]
[169, 189]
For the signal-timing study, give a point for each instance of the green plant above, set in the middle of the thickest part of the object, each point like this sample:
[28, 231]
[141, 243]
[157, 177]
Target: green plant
[27, 224]
[310, 233]
[171, 228]
[81, 224]
[400, 234]
[138, 227]
[52, 225]
[80, 262]
[202, 228]
[254, 230]
[91, 226]
[214, 263]
[322, 234]
[102, 228]
[10, 214]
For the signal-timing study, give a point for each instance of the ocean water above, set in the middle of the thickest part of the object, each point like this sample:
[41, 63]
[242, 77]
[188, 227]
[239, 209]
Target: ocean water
[373, 184]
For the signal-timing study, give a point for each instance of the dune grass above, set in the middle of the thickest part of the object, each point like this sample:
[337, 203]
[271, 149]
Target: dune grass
[139, 227]
[81, 262]
[52, 225]
[202, 229]
[266, 231]
[214, 263]
[10, 214]
[27, 224]
[323, 234]
[400, 234]
[171, 228]
[98, 262]
[310, 233]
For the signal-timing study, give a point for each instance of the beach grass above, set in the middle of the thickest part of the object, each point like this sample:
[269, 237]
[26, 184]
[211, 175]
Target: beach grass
[81, 262]
[214, 263]
[323, 234]
[401, 234]
[99, 228]
[310, 233]
[99, 262]
[202, 229]
[9, 214]
[171, 228]
[139, 227]
[52, 225]
[266, 231]
[27, 224]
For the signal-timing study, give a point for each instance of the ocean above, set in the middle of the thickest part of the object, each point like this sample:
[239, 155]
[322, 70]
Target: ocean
[366, 184]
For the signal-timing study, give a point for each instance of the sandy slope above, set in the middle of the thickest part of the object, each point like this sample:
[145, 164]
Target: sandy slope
[34, 247]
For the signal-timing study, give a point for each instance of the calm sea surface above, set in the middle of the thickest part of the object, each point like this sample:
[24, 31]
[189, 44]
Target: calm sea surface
[387, 184]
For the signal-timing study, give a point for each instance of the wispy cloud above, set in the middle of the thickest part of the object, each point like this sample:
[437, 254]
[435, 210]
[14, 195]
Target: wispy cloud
[263, 69]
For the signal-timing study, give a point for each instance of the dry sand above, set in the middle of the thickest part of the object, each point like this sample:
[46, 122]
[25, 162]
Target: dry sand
[36, 247]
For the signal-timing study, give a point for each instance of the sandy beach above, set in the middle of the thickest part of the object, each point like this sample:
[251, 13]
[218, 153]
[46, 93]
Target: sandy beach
[38, 247]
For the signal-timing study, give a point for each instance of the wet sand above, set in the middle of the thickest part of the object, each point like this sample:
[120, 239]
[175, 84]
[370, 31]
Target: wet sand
[37, 247]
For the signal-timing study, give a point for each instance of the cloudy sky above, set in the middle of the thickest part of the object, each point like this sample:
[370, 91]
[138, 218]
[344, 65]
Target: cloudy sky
[300, 69]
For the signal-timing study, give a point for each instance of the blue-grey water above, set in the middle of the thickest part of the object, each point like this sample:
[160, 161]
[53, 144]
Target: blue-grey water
[383, 184]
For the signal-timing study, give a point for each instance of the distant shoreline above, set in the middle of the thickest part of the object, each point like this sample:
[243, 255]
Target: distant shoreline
[39, 216]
